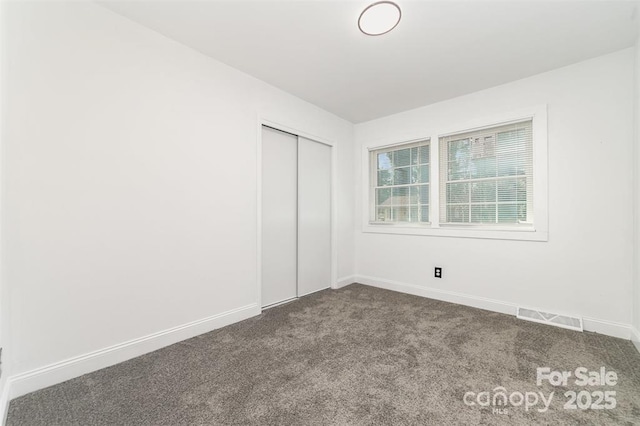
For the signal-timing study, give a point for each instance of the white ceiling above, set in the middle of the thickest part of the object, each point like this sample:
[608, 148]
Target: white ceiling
[440, 49]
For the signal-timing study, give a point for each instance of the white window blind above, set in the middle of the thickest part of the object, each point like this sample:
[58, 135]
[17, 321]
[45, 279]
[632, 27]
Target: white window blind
[486, 176]
[400, 183]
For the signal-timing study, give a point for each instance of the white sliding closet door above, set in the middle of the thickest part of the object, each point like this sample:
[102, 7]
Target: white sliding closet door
[314, 216]
[279, 216]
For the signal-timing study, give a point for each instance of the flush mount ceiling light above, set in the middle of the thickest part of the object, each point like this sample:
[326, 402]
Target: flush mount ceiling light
[379, 18]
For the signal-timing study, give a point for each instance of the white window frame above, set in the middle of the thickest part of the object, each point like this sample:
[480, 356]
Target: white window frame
[538, 231]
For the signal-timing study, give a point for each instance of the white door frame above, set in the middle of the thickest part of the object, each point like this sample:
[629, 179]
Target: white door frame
[334, 199]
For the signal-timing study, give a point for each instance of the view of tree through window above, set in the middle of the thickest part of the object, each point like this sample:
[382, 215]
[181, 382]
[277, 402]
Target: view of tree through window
[401, 187]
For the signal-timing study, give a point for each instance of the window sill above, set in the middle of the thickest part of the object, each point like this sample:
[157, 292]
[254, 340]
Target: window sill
[523, 233]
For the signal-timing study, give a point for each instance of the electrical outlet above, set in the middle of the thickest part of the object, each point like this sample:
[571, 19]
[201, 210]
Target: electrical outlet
[438, 273]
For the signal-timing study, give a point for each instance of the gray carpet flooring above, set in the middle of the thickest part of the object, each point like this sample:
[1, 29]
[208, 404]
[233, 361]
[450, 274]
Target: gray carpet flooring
[354, 356]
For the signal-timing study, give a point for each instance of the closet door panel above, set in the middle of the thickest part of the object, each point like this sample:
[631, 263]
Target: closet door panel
[314, 216]
[279, 216]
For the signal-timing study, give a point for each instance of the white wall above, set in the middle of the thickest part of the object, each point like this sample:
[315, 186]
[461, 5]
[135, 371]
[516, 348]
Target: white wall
[4, 293]
[636, 198]
[586, 266]
[131, 182]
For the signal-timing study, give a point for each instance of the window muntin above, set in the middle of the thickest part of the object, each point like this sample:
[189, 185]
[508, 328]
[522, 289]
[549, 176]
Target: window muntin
[486, 176]
[400, 183]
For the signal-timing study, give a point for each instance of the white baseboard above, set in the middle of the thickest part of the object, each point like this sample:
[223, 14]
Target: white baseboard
[635, 337]
[608, 328]
[58, 372]
[345, 281]
[447, 296]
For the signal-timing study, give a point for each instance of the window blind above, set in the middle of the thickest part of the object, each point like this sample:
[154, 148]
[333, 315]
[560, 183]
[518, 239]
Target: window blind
[486, 176]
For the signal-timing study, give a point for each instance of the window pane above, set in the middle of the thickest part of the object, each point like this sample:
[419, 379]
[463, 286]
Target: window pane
[401, 214]
[424, 174]
[459, 150]
[420, 174]
[415, 174]
[458, 214]
[402, 176]
[423, 194]
[459, 157]
[522, 189]
[414, 155]
[414, 195]
[400, 196]
[511, 152]
[402, 157]
[458, 170]
[483, 146]
[509, 140]
[383, 214]
[508, 165]
[458, 192]
[483, 213]
[385, 177]
[512, 190]
[482, 192]
[483, 168]
[424, 213]
[508, 190]
[424, 154]
[512, 213]
[414, 214]
[383, 196]
[385, 161]
[523, 161]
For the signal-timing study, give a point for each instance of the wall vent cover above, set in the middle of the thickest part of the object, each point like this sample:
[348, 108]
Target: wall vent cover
[564, 321]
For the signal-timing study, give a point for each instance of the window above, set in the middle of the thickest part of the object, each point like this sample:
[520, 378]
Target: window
[486, 176]
[483, 178]
[400, 183]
